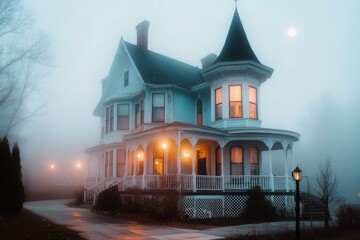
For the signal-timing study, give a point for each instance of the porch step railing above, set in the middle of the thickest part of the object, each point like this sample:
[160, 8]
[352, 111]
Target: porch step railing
[103, 184]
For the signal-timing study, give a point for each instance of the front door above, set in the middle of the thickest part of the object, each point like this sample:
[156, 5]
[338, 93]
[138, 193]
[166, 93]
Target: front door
[201, 162]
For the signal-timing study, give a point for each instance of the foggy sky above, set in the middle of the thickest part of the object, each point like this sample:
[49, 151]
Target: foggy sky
[313, 90]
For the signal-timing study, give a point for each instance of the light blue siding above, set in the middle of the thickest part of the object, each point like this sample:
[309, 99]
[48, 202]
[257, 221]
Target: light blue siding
[184, 107]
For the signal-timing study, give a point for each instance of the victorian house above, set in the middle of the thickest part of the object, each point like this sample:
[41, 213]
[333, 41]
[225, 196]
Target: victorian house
[168, 125]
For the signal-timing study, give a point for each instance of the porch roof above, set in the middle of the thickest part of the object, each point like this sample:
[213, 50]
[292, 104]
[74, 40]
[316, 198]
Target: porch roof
[249, 133]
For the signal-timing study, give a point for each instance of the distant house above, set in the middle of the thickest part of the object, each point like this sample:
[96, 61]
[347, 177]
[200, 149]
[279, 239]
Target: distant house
[169, 125]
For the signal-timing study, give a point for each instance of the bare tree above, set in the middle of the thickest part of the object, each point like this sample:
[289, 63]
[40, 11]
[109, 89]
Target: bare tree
[22, 51]
[326, 188]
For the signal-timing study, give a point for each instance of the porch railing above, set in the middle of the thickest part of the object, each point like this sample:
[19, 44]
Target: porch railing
[189, 182]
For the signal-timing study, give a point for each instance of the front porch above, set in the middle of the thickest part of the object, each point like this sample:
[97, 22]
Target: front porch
[192, 183]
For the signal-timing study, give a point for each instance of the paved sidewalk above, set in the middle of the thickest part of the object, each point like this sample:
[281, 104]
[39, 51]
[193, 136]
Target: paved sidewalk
[97, 227]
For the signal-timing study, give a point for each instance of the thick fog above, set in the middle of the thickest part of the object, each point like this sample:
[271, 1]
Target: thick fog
[313, 90]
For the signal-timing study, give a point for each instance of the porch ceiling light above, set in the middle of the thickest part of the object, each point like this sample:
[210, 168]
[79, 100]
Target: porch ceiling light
[164, 145]
[297, 174]
[186, 154]
[139, 156]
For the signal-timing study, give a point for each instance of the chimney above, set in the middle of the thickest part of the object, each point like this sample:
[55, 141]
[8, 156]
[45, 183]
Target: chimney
[142, 34]
[208, 60]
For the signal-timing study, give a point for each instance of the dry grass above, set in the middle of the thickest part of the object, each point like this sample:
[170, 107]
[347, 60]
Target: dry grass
[28, 225]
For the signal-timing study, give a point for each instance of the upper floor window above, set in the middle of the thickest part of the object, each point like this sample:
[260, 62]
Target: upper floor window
[252, 103]
[141, 112]
[137, 115]
[126, 78]
[123, 116]
[199, 113]
[237, 161]
[109, 119]
[218, 103]
[254, 161]
[158, 107]
[235, 101]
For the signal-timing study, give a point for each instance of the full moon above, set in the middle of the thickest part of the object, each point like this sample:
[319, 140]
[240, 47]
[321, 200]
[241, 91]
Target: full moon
[292, 32]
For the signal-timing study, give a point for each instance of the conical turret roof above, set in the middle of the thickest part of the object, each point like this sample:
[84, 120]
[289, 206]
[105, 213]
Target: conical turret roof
[237, 46]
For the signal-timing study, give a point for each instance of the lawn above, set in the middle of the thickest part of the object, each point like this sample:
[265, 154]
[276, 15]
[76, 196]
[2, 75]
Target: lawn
[28, 225]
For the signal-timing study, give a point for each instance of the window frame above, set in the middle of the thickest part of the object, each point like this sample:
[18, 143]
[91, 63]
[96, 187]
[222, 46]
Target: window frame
[253, 103]
[122, 117]
[256, 170]
[126, 78]
[199, 113]
[218, 106]
[157, 108]
[233, 164]
[240, 102]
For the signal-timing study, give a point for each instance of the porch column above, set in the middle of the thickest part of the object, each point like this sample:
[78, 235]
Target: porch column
[179, 154]
[126, 170]
[114, 163]
[193, 168]
[144, 171]
[286, 170]
[272, 186]
[222, 168]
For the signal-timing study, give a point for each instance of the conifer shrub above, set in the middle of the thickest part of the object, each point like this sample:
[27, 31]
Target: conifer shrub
[257, 207]
[348, 216]
[108, 200]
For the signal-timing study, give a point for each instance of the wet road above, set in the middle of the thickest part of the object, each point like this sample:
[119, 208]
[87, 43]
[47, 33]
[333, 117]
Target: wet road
[97, 227]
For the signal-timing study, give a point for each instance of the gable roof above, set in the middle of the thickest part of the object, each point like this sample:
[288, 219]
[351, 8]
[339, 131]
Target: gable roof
[237, 46]
[158, 69]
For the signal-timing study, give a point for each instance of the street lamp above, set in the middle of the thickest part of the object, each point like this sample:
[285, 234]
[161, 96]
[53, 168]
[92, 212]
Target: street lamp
[296, 174]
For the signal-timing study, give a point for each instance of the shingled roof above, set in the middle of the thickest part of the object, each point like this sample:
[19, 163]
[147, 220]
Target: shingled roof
[158, 69]
[237, 46]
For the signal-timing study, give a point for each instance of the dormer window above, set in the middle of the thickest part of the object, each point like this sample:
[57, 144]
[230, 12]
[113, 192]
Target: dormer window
[235, 101]
[218, 103]
[252, 103]
[126, 78]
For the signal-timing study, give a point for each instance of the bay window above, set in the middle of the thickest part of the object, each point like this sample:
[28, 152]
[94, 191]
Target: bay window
[218, 103]
[235, 101]
[252, 103]
[123, 116]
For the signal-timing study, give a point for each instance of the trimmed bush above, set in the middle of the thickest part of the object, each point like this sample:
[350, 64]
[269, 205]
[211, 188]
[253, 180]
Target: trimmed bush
[348, 216]
[257, 207]
[108, 200]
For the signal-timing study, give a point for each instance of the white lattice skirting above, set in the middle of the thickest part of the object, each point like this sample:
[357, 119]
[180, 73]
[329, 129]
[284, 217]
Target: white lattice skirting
[217, 206]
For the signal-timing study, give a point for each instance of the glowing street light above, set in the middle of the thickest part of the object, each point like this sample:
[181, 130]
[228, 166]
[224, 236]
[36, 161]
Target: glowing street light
[297, 174]
[52, 166]
[78, 165]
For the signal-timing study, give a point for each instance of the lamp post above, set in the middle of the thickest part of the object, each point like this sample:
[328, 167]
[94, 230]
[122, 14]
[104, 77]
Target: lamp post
[296, 174]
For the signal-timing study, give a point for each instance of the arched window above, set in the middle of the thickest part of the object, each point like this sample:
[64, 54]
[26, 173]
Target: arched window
[254, 161]
[199, 113]
[237, 161]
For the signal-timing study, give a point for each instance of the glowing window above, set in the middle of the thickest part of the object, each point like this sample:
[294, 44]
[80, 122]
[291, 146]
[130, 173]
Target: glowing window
[199, 114]
[235, 101]
[236, 157]
[218, 103]
[252, 103]
[254, 161]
